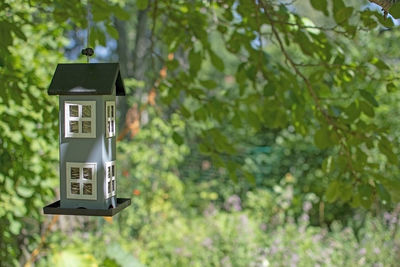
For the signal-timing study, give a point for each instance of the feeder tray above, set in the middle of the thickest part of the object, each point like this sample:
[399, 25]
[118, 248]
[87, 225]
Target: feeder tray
[55, 208]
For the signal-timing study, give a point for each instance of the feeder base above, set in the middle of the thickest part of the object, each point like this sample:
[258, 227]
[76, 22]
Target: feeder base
[54, 208]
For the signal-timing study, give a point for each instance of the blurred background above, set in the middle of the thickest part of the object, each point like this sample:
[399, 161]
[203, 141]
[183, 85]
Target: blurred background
[253, 133]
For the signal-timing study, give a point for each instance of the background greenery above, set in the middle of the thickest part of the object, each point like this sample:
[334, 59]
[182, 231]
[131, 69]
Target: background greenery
[254, 133]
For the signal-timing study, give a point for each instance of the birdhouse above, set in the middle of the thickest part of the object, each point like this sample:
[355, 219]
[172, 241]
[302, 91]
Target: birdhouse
[87, 123]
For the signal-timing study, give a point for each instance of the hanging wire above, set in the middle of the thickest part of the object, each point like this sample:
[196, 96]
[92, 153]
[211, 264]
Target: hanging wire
[88, 51]
[88, 17]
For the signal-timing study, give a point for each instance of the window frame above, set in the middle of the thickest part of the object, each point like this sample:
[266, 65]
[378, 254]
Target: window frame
[79, 119]
[110, 119]
[111, 179]
[81, 180]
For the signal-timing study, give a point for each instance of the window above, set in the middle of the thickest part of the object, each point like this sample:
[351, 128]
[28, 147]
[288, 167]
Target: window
[110, 118]
[80, 119]
[111, 185]
[81, 180]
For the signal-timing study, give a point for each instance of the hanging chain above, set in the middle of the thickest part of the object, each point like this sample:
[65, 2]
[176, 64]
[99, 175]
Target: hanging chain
[88, 51]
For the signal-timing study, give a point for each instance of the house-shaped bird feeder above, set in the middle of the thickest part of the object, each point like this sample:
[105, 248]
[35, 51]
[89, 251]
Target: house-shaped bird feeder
[88, 182]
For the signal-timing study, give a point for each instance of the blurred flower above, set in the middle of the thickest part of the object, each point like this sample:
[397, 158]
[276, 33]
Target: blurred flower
[178, 251]
[264, 263]
[233, 203]
[108, 219]
[362, 251]
[226, 261]
[294, 260]
[361, 262]
[289, 178]
[275, 246]
[305, 218]
[207, 242]
[244, 223]
[317, 238]
[205, 165]
[210, 210]
[136, 192]
[387, 216]
[263, 226]
[307, 206]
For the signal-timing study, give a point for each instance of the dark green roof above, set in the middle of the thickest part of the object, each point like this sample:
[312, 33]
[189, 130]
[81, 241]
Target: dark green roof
[86, 79]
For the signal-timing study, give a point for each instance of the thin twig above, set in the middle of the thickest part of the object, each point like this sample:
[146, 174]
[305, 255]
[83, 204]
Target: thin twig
[43, 237]
[333, 29]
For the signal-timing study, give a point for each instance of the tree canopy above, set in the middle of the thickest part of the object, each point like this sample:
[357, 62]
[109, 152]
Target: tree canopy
[224, 76]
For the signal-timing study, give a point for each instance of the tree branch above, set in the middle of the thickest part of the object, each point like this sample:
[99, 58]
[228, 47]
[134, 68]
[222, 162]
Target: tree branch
[311, 91]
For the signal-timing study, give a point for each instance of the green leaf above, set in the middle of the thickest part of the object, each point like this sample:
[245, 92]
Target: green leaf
[59, 16]
[352, 112]
[185, 112]
[327, 164]
[200, 114]
[343, 15]
[395, 11]
[366, 196]
[356, 201]
[216, 61]
[269, 89]
[142, 4]
[112, 32]
[380, 64]
[5, 35]
[367, 109]
[107, 262]
[236, 121]
[203, 149]
[18, 32]
[121, 256]
[386, 147]
[387, 22]
[322, 138]
[249, 177]
[390, 87]
[233, 176]
[15, 227]
[120, 13]
[232, 168]
[370, 98]
[222, 28]
[177, 138]
[332, 192]
[25, 192]
[209, 84]
[100, 10]
[384, 195]
[97, 36]
[346, 192]
[321, 5]
[195, 61]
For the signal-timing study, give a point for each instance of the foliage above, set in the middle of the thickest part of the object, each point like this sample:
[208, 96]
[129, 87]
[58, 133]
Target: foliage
[263, 107]
[31, 35]
[28, 128]
[233, 236]
[318, 83]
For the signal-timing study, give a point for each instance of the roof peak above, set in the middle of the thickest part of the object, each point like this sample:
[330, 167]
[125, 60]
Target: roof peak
[86, 79]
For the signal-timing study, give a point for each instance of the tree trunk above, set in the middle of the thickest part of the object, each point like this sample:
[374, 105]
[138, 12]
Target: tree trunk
[132, 64]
